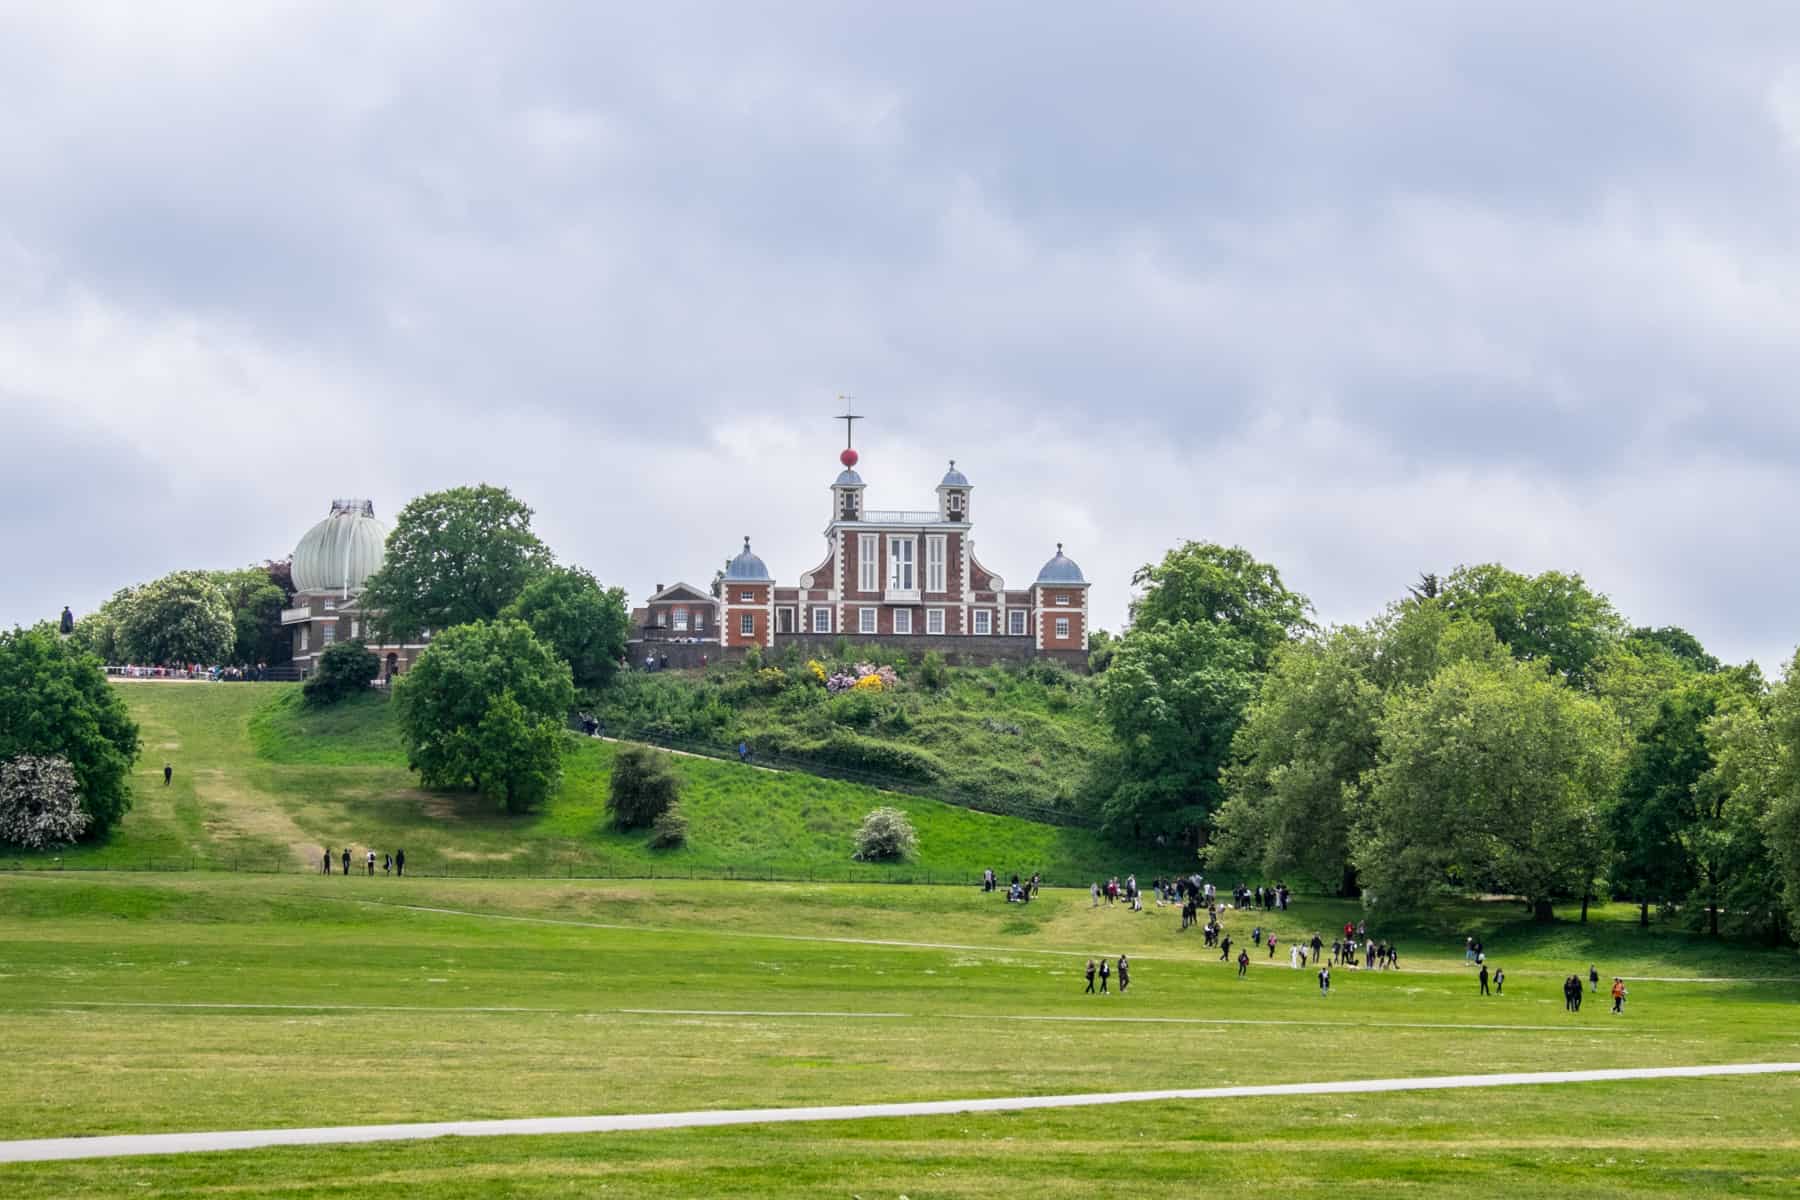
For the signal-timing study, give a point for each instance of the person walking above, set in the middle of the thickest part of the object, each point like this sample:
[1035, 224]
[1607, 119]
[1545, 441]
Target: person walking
[371, 864]
[1325, 980]
[1090, 978]
[1271, 945]
[168, 772]
[1105, 973]
[1499, 981]
[325, 867]
[1095, 888]
[399, 862]
[1243, 963]
[1594, 978]
[387, 864]
[1124, 974]
[1618, 995]
[346, 860]
[1317, 946]
[1484, 980]
[1225, 948]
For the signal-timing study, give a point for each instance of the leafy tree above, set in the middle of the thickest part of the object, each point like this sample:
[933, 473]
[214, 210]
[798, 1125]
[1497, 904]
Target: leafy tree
[1205, 583]
[181, 618]
[345, 669]
[1738, 881]
[584, 623]
[886, 834]
[1779, 782]
[1101, 648]
[1678, 642]
[39, 803]
[1491, 777]
[1657, 800]
[255, 602]
[518, 760]
[644, 787]
[454, 557]
[98, 632]
[1173, 698]
[933, 674]
[1634, 678]
[444, 704]
[1429, 587]
[1552, 617]
[1302, 758]
[55, 701]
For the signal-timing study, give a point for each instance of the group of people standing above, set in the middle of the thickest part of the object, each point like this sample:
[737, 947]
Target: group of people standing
[391, 864]
[1018, 891]
[1105, 973]
[1572, 991]
[1114, 891]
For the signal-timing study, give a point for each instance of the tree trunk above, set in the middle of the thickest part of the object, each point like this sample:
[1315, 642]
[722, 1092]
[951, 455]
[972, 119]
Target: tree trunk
[1643, 912]
[1541, 912]
[1585, 897]
[1347, 885]
[1712, 916]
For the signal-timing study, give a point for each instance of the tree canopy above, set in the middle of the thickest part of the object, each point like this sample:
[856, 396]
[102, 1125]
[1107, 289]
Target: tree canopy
[183, 617]
[255, 601]
[482, 708]
[1206, 583]
[583, 622]
[454, 557]
[1552, 618]
[55, 702]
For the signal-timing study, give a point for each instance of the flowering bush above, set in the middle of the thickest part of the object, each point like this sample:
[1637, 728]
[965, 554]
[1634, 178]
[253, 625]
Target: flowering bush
[885, 834]
[39, 806]
[868, 683]
[865, 677]
[817, 668]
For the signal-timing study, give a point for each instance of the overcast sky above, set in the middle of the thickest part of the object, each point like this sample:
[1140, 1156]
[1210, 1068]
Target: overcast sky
[1370, 290]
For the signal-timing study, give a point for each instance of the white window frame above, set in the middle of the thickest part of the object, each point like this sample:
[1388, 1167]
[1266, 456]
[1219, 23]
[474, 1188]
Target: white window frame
[984, 622]
[866, 621]
[1062, 598]
[936, 551]
[1015, 623]
[821, 618]
[355, 629]
[746, 624]
[934, 621]
[868, 562]
[681, 620]
[1062, 628]
[305, 638]
[746, 597]
[903, 621]
[328, 634]
[699, 619]
[903, 563]
[793, 617]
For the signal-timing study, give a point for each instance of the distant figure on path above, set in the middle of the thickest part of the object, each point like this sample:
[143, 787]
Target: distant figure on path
[168, 773]
[1618, 994]
[325, 867]
[1499, 981]
[1105, 973]
[1484, 980]
[1243, 963]
[371, 864]
[1090, 978]
[1124, 974]
[399, 862]
[346, 860]
[1594, 979]
[1325, 980]
[387, 864]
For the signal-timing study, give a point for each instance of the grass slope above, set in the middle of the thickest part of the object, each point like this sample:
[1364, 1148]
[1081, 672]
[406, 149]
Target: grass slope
[407, 1000]
[261, 781]
[1025, 735]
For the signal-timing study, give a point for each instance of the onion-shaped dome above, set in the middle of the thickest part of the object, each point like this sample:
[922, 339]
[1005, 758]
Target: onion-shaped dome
[747, 568]
[954, 477]
[848, 478]
[1061, 569]
[342, 551]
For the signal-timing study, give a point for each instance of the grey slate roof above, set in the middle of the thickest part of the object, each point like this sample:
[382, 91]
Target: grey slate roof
[1061, 569]
[954, 477]
[848, 478]
[747, 568]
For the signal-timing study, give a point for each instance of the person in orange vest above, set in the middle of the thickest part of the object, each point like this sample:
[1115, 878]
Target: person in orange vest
[1618, 993]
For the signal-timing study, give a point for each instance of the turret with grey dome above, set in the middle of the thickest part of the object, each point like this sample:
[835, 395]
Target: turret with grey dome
[1061, 569]
[332, 564]
[747, 568]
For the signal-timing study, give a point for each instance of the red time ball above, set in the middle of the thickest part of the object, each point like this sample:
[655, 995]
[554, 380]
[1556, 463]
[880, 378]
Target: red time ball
[848, 457]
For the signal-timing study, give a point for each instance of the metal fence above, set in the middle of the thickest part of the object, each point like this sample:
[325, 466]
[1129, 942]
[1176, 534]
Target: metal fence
[925, 789]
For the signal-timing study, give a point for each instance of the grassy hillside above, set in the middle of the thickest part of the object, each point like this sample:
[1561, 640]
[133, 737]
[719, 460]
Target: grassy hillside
[1017, 738]
[261, 781]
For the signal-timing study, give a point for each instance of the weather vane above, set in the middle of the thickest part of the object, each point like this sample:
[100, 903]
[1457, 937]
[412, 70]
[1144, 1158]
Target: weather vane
[849, 418]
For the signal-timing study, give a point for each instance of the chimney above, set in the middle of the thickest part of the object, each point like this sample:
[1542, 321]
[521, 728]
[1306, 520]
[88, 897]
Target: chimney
[658, 591]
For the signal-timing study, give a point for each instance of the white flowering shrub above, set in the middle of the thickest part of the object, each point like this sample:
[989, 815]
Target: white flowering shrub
[39, 806]
[885, 834]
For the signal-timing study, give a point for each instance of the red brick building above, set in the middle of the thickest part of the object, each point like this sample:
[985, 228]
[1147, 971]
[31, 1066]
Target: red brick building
[888, 575]
[332, 562]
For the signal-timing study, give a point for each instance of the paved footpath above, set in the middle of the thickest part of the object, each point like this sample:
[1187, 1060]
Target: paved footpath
[54, 1149]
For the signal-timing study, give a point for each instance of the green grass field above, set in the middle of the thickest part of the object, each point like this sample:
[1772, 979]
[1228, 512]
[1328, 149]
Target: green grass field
[214, 1001]
[263, 783]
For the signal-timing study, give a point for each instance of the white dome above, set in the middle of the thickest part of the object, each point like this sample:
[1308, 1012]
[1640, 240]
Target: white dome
[342, 551]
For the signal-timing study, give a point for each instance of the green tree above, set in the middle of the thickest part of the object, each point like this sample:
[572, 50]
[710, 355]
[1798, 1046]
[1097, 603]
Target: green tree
[1173, 698]
[454, 557]
[1634, 678]
[55, 701]
[586, 624]
[518, 760]
[1779, 784]
[255, 603]
[1491, 778]
[443, 706]
[1553, 618]
[98, 632]
[1737, 871]
[345, 669]
[1657, 801]
[1206, 583]
[1678, 642]
[1102, 645]
[181, 618]
[644, 787]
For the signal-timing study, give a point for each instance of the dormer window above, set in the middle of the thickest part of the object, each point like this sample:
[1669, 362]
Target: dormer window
[849, 511]
[954, 504]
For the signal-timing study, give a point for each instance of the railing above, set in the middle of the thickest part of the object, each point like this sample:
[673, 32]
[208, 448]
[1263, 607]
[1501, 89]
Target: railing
[281, 674]
[895, 595]
[291, 615]
[900, 516]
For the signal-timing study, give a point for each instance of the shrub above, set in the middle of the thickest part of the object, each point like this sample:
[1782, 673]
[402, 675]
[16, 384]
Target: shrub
[885, 835]
[40, 806]
[345, 669]
[933, 673]
[770, 681]
[644, 787]
[753, 659]
[54, 700]
[669, 830]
